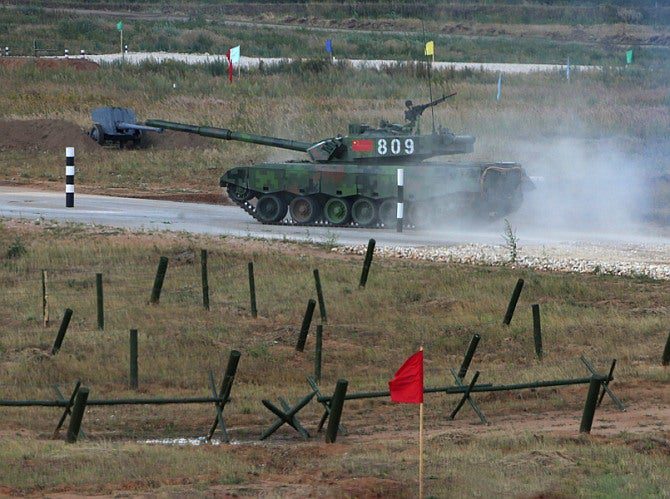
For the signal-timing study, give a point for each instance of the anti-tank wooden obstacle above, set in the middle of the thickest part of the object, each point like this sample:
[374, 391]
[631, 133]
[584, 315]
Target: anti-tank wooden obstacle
[461, 387]
[219, 400]
[287, 416]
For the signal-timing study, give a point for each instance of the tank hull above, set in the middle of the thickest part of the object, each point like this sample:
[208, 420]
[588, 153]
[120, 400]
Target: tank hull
[359, 195]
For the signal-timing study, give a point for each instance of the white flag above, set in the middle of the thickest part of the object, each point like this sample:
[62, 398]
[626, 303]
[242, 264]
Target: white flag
[235, 55]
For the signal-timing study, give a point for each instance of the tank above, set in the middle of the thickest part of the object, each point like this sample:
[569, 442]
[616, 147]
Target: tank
[351, 180]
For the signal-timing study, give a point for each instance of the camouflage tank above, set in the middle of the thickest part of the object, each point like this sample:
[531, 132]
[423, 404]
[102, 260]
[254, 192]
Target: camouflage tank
[351, 180]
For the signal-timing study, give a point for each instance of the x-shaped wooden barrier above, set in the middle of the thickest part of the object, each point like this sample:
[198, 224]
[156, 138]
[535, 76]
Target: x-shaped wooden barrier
[224, 396]
[68, 408]
[606, 389]
[288, 415]
[467, 397]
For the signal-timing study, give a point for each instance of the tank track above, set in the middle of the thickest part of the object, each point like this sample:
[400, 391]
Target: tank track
[251, 210]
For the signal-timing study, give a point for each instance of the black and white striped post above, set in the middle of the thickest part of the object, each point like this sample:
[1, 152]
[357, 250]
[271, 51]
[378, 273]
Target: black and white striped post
[6, 51]
[69, 177]
[82, 53]
[401, 197]
[67, 53]
[125, 49]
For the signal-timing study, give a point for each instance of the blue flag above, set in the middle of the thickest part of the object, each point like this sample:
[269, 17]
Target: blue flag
[329, 46]
[499, 86]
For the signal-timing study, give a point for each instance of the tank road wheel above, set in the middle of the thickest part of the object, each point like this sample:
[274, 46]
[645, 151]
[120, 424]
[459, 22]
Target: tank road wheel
[304, 209]
[388, 212]
[337, 211]
[239, 194]
[271, 209]
[364, 212]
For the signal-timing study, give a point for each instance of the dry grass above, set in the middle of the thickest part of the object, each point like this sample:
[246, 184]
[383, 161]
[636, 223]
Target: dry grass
[369, 333]
[309, 105]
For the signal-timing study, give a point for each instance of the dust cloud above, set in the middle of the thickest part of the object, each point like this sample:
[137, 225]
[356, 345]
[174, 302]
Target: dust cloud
[584, 186]
[586, 190]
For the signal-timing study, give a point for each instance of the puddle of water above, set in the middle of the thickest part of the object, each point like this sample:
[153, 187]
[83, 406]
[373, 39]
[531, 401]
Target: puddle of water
[183, 441]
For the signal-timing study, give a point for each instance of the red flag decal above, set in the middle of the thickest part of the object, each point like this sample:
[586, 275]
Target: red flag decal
[407, 384]
[364, 145]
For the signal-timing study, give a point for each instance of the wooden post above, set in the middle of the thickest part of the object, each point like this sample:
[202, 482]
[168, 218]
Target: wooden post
[590, 405]
[666, 352]
[134, 381]
[45, 299]
[468, 356]
[77, 415]
[318, 353]
[306, 323]
[336, 405]
[512, 302]
[537, 331]
[158, 281]
[319, 295]
[99, 301]
[205, 281]
[252, 290]
[61, 331]
[367, 262]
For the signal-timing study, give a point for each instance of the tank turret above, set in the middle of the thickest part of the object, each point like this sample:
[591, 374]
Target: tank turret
[388, 143]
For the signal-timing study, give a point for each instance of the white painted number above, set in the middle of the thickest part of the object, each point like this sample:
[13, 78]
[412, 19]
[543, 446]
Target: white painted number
[396, 145]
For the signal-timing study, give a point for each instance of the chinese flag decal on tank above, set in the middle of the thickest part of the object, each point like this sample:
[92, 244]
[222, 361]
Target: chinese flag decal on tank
[362, 145]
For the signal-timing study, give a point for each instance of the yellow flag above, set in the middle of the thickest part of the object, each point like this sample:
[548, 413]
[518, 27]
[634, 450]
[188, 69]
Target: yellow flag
[430, 48]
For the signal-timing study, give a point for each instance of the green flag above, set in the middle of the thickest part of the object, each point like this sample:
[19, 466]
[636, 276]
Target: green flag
[629, 56]
[119, 25]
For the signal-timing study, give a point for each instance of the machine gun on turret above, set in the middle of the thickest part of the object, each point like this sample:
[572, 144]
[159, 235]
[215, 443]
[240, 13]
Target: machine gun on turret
[414, 112]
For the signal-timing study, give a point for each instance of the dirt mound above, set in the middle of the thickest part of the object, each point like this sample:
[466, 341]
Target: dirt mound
[43, 135]
[78, 64]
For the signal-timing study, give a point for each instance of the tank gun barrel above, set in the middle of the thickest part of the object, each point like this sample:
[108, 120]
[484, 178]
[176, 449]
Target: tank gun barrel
[226, 134]
[122, 125]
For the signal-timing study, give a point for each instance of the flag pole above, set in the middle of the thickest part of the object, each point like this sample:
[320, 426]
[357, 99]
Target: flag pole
[421, 444]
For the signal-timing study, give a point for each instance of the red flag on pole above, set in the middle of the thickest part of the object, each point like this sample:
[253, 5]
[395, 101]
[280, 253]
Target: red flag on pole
[230, 67]
[407, 385]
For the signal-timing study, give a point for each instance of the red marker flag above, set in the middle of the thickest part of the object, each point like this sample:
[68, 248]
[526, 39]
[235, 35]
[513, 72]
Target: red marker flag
[230, 67]
[406, 386]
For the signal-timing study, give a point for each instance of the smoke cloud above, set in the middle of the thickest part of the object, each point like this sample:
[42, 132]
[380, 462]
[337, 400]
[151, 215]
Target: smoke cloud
[592, 187]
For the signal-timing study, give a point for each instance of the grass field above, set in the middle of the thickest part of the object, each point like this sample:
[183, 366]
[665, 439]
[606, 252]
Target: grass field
[472, 32]
[531, 448]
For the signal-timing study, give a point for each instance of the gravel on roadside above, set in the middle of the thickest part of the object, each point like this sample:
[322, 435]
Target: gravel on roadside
[636, 260]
